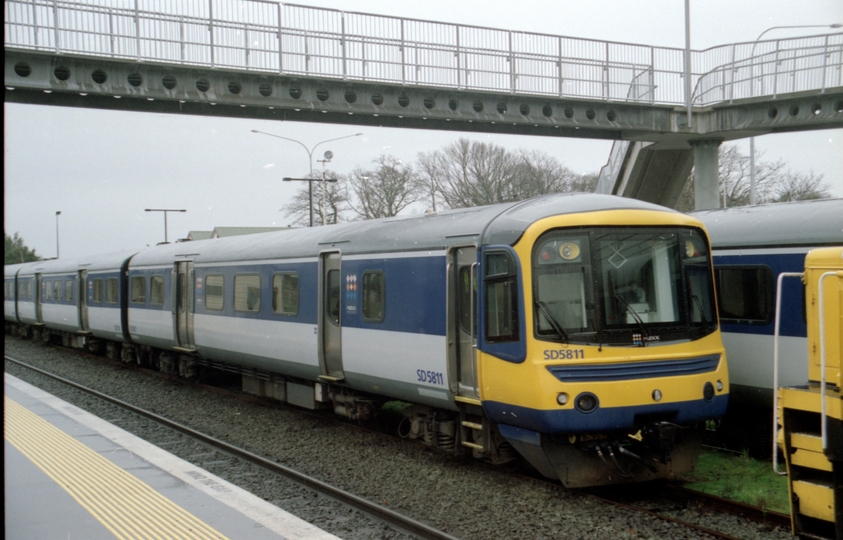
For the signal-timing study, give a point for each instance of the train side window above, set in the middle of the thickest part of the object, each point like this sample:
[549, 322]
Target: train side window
[214, 292]
[501, 298]
[30, 285]
[57, 290]
[98, 290]
[156, 290]
[332, 296]
[285, 294]
[138, 286]
[745, 294]
[247, 293]
[111, 290]
[374, 296]
[48, 290]
[68, 290]
[466, 300]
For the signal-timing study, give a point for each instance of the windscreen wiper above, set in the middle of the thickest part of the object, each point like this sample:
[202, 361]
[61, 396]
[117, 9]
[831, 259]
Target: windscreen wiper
[635, 316]
[552, 320]
[696, 300]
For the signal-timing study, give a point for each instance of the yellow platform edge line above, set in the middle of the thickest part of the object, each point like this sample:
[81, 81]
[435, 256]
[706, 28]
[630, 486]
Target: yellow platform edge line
[125, 505]
[120, 501]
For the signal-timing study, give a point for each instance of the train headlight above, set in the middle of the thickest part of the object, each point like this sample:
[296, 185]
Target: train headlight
[586, 402]
[708, 391]
[719, 386]
[657, 395]
[562, 398]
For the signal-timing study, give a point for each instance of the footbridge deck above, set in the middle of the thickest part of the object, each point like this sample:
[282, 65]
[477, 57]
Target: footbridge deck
[260, 59]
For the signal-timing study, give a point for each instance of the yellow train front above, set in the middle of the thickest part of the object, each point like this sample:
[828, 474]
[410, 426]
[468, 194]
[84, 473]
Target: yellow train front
[617, 362]
[812, 414]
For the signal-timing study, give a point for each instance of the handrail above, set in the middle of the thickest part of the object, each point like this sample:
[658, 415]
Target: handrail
[776, 368]
[824, 413]
[265, 36]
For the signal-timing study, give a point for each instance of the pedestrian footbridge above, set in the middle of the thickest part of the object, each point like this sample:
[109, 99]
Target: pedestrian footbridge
[260, 59]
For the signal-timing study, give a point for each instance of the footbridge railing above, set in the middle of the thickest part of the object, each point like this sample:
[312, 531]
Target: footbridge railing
[289, 39]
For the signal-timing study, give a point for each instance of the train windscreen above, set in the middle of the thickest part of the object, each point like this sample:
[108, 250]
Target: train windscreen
[624, 286]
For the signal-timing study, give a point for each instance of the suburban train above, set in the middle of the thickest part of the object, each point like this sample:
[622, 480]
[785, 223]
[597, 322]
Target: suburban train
[810, 414]
[752, 246]
[578, 331]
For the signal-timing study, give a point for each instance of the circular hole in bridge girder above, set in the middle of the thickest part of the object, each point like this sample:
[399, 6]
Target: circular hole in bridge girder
[61, 73]
[99, 76]
[22, 69]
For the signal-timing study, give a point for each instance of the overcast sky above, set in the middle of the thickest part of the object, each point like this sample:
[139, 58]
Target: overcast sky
[101, 168]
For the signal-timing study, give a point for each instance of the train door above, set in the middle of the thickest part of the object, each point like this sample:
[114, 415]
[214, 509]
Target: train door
[183, 305]
[82, 281]
[330, 316]
[38, 297]
[462, 318]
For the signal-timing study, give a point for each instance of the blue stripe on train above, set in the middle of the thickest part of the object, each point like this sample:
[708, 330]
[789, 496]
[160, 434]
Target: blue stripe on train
[605, 419]
[635, 370]
[415, 293]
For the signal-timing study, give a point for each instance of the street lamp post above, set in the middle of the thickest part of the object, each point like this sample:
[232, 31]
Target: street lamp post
[309, 160]
[58, 213]
[752, 139]
[165, 210]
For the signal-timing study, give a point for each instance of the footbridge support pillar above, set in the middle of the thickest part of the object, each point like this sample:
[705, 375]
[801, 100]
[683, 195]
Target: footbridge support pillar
[706, 174]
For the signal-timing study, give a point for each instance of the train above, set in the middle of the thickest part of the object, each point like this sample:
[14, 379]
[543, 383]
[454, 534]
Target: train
[576, 332]
[810, 414]
[752, 246]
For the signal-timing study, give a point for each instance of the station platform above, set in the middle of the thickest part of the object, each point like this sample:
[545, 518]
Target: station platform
[71, 475]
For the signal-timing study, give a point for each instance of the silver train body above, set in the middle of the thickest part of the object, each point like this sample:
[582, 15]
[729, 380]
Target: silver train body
[752, 246]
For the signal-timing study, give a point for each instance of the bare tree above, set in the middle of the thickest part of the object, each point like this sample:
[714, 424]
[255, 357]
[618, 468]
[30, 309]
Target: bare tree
[330, 200]
[475, 174]
[384, 190]
[430, 171]
[538, 173]
[800, 187]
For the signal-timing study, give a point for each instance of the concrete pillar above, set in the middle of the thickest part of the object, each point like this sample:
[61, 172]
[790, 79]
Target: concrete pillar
[706, 174]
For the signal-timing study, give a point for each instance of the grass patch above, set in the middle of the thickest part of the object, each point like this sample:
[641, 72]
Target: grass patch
[740, 478]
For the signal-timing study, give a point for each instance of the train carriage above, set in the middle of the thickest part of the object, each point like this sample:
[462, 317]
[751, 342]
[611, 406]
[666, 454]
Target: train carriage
[106, 296]
[61, 296]
[752, 246]
[154, 304]
[27, 303]
[578, 330]
[10, 292]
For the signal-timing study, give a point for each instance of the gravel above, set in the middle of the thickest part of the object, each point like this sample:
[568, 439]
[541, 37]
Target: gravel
[468, 500]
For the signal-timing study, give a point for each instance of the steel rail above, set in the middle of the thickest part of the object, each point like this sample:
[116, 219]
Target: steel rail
[399, 521]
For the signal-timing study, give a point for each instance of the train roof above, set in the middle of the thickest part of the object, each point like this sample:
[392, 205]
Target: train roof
[501, 224]
[793, 224]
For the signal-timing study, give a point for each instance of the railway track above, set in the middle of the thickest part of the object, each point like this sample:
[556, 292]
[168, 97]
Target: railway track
[398, 521]
[628, 498]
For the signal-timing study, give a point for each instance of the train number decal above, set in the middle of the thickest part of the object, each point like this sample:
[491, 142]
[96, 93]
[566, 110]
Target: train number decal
[430, 377]
[564, 354]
